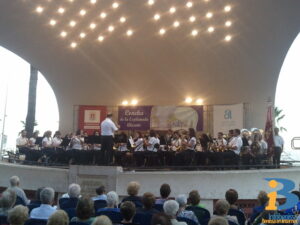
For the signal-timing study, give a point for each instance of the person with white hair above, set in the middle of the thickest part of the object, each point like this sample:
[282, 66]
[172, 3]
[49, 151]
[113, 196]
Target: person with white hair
[171, 208]
[70, 199]
[14, 186]
[112, 202]
[46, 209]
[221, 209]
[182, 212]
[7, 201]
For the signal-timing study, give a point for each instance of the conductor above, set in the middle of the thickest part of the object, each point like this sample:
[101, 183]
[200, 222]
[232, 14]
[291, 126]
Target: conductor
[108, 128]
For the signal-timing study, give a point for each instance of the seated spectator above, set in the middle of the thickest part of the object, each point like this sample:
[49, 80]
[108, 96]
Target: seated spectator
[85, 211]
[102, 220]
[17, 215]
[232, 197]
[148, 201]
[182, 212]
[262, 201]
[7, 201]
[45, 210]
[133, 190]
[194, 199]
[60, 217]
[171, 208]
[165, 191]
[218, 220]
[296, 208]
[14, 186]
[128, 212]
[101, 194]
[112, 202]
[70, 199]
[161, 219]
[221, 210]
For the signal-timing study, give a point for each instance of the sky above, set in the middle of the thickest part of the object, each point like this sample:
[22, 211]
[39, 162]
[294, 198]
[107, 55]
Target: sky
[14, 77]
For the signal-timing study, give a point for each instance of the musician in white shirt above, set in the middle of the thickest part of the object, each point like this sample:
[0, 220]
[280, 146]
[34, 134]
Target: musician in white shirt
[152, 142]
[22, 141]
[278, 147]
[221, 140]
[235, 144]
[32, 140]
[57, 140]
[139, 149]
[47, 141]
[108, 128]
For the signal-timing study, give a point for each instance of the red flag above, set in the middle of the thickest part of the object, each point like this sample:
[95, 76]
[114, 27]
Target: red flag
[269, 131]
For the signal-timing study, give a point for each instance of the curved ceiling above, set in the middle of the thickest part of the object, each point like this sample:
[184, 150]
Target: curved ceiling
[157, 70]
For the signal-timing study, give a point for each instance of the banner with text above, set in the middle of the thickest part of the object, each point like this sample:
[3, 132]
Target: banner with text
[227, 117]
[134, 117]
[90, 117]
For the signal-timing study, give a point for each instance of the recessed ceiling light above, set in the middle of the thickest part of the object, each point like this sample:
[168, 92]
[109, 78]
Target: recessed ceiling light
[72, 23]
[151, 2]
[228, 23]
[188, 100]
[103, 15]
[162, 31]
[192, 19]
[209, 15]
[93, 1]
[176, 24]
[227, 8]
[73, 45]
[125, 102]
[115, 5]
[172, 10]
[63, 34]
[156, 16]
[228, 38]
[52, 22]
[100, 38]
[82, 35]
[61, 10]
[189, 4]
[93, 26]
[111, 28]
[194, 32]
[134, 102]
[39, 9]
[211, 29]
[82, 12]
[122, 19]
[129, 32]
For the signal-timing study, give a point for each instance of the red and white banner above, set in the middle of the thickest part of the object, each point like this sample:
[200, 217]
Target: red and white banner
[90, 117]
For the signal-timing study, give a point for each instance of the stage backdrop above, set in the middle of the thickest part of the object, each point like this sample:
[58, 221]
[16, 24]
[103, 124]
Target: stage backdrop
[227, 117]
[90, 117]
[161, 117]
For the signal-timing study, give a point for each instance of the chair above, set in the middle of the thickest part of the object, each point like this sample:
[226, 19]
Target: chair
[36, 222]
[3, 220]
[238, 214]
[114, 216]
[71, 212]
[159, 207]
[19, 201]
[99, 204]
[202, 214]
[142, 218]
[187, 220]
[67, 203]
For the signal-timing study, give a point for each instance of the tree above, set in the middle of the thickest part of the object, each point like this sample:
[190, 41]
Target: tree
[30, 119]
[278, 117]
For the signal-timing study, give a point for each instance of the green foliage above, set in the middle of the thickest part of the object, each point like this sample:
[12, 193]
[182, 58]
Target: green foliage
[278, 117]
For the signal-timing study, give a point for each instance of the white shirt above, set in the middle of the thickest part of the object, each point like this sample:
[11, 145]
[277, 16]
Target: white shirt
[32, 141]
[139, 143]
[176, 143]
[192, 143]
[22, 141]
[152, 141]
[278, 141]
[57, 141]
[221, 141]
[76, 143]
[236, 142]
[123, 147]
[47, 142]
[108, 127]
[43, 212]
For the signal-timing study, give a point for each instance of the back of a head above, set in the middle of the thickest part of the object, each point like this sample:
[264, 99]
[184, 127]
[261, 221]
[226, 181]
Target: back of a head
[47, 195]
[262, 198]
[165, 190]
[148, 200]
[222, 207]
[218, 220]
[14, 181]
[112, 199]
[60, 217]
[194, 198]
[8, 199]
[18, 215]
[102, 220]
[171, 208]
[231, 196]
[85, 208]
[100, 190]
[160, 219]
[127, 210]
[133, 188]
[74, 190]
[182, 200]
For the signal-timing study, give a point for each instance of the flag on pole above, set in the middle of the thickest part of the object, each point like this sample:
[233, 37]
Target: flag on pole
[269, 131]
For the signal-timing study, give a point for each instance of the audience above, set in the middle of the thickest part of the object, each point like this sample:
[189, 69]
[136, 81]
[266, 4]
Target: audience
[133, 190]
[14, 186]
[102, 220]
[18, 215]
[182, 212]
[128, 212]
[194, 199]
[60, 217]
[165, 191]
[84, 211]
[112, 202]
[148, 201]
[7, 201]
[46, 209]
[218, 221]
[221, 210]
[100, 194]
[262, 199]
[171, 208]
[161, 219]
[231, 197]
[70, 199]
